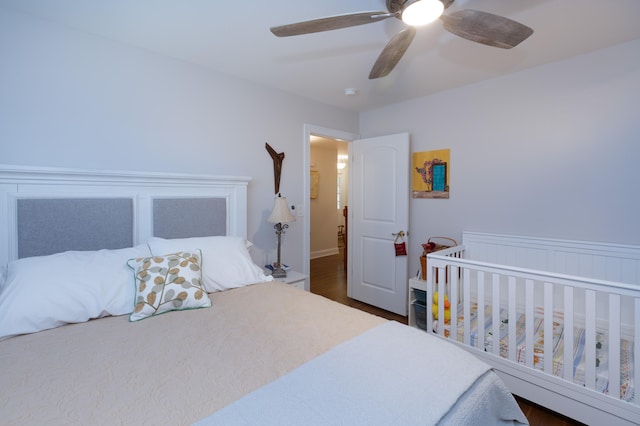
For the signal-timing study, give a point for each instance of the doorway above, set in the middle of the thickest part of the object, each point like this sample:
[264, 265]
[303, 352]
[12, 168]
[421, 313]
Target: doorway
[325, 133]
[329, 175]
[329, 195]
[342, 296]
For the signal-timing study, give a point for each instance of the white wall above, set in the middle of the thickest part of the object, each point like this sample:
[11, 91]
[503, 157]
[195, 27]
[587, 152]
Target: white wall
[69, 99]
[551, 151]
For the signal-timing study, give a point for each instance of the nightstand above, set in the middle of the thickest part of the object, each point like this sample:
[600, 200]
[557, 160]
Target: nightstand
[294, 278]
[417, 303]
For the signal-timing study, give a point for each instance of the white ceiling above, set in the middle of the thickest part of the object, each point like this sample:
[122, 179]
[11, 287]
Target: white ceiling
[234, 38]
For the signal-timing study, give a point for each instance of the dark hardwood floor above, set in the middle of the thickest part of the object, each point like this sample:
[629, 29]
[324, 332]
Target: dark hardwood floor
[327, 278]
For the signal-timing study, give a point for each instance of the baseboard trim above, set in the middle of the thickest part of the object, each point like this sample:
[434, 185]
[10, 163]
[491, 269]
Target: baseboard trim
[324, 253]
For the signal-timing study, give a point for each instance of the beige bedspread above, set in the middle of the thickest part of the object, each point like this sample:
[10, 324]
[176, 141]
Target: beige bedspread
[176, 368]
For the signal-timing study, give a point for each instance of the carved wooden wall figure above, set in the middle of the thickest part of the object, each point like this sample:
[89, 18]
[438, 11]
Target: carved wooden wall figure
[277, 165]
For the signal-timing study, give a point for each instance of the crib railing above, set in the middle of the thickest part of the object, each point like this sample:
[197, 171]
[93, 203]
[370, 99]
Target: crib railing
[593, 305]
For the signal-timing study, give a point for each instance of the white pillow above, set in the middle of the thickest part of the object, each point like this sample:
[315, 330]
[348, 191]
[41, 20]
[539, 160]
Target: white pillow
[48, 291]
[168, 283]
[226, 262]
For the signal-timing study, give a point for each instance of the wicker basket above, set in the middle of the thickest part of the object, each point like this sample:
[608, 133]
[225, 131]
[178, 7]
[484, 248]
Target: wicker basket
[430, 247]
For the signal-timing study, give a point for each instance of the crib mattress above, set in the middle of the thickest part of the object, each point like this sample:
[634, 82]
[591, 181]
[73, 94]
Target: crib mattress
[602, 362]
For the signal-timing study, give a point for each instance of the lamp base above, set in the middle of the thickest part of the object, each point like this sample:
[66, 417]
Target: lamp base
[278, 273]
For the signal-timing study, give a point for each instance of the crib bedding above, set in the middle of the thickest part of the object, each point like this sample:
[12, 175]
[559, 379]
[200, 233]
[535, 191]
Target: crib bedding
[602, 366]
[181, 367]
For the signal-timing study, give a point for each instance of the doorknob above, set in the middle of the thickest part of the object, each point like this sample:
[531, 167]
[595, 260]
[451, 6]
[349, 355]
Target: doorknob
[400, 234]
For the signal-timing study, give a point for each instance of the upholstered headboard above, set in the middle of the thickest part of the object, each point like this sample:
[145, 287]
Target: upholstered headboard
[45, 211]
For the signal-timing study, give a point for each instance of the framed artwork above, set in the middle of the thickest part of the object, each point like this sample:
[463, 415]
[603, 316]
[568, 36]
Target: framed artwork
[430, 174]
[314, 184]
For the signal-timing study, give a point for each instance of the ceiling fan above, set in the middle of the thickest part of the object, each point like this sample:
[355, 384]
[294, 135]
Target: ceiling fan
[480, 27]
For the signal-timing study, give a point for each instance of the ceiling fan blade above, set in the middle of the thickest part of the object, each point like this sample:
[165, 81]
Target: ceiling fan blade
[486, 28]
[330, 23]
[392, 53]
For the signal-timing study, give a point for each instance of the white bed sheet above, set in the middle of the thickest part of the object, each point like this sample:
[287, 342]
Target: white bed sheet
[391, 374]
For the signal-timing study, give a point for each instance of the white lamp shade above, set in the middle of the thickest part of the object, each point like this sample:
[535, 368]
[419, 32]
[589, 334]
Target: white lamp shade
[422, 12]
[280, 212]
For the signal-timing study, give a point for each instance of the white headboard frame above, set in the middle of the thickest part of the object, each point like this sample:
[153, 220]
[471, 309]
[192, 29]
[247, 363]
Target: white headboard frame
[21, 182]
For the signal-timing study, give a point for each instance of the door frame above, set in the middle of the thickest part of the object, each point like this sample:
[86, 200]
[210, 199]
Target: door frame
[313, 130]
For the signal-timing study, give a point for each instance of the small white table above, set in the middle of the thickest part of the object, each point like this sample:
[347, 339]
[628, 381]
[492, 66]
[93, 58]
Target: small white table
[294, 278]
[421, 286]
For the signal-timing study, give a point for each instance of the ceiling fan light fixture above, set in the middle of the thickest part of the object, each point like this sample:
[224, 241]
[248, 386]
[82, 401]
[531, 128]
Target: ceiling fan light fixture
[422, 12]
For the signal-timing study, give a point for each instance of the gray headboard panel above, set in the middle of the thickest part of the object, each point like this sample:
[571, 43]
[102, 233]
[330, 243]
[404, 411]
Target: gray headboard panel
[189, 217]
[45, 210]
[47, 226]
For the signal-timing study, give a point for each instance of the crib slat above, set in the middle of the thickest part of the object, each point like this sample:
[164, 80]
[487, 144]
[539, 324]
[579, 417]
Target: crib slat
[590, 340]
[529, 318]
[481, 320]
[569, 350]
[442, 290]
[636, 349]
[495, 303]
[512, 318]
[614, 345]
[454, 274]
[548, 328]
[429, 314]
[467, 307]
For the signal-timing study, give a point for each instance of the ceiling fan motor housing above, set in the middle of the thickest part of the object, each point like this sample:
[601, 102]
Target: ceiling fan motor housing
[397, 6]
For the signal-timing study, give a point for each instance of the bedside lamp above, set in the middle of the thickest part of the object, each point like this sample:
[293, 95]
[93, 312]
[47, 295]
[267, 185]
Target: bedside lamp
[280, 215]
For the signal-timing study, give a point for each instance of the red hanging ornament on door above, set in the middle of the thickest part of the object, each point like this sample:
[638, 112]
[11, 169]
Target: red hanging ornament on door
[400, 245]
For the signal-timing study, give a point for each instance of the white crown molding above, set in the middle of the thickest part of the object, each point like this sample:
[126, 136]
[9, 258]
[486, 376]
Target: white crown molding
[24, 174]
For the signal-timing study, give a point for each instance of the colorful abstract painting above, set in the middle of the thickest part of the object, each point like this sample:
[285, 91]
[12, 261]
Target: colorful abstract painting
[430, 174]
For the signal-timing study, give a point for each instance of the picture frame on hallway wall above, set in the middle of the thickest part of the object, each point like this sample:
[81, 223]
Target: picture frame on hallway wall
[430, 175]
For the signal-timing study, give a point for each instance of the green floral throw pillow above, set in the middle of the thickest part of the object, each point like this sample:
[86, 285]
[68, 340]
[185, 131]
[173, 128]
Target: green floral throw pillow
[168, 283]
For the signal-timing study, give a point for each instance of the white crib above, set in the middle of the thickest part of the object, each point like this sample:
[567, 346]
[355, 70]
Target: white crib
[585, 295]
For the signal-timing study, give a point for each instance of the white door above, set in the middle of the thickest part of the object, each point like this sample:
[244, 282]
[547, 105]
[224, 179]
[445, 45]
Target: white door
[378, 210]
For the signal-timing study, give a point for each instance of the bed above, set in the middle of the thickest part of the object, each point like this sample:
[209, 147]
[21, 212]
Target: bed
[556, 319]
[132, 298]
